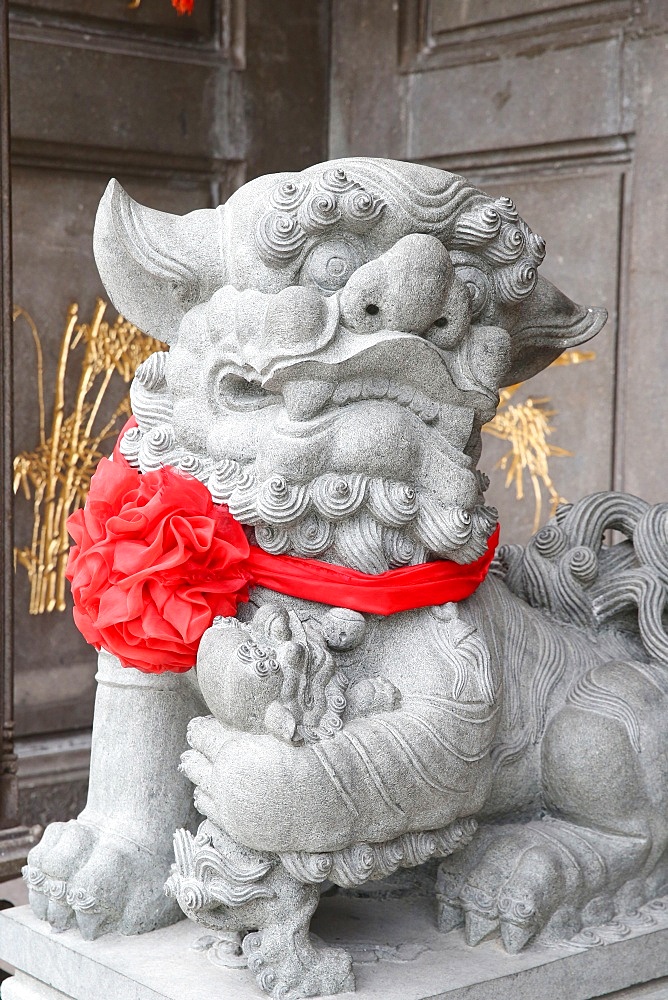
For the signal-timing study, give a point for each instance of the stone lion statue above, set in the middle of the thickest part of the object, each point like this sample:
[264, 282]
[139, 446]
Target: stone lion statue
[338, 338]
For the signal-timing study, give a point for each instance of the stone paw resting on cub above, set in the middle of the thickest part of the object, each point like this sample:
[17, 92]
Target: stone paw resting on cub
[338, 338]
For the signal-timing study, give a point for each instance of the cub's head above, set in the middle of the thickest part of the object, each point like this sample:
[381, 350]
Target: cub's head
[337, 340]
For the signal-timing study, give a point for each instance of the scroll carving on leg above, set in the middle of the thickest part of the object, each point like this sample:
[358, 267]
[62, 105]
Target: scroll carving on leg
[292, 550]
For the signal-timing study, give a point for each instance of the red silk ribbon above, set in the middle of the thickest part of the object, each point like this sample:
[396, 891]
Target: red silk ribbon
[421, 586]
[404, 589]
[387, 593]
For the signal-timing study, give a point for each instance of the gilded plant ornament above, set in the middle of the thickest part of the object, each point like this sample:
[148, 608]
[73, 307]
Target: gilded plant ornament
[57, 473]
[526, 427]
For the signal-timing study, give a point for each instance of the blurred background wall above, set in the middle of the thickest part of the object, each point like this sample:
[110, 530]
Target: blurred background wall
[561, 104]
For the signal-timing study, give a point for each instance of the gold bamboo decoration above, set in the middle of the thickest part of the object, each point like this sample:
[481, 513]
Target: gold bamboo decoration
[526, 428]
[56, 475]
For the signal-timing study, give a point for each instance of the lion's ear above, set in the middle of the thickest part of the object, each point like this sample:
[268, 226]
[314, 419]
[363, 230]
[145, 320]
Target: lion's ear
[547, 325]
[155, 266]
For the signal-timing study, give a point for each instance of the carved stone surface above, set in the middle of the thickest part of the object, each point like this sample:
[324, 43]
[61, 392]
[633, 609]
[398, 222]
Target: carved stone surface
[337, 340]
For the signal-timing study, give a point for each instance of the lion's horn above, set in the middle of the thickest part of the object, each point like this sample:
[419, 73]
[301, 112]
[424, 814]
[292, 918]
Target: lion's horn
[155, 266]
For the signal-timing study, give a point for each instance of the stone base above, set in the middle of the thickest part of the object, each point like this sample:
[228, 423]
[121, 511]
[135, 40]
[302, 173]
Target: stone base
[398, 954]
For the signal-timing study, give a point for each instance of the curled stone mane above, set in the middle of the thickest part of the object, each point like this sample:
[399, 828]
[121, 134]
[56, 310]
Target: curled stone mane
[303, 208]
[370, 523]
[468, 221]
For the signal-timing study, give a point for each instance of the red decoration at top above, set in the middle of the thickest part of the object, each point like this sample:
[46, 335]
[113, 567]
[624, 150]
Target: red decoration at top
[183, 6]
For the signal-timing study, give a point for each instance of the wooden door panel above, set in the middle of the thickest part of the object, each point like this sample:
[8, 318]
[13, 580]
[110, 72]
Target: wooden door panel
[438, 33]
[77, 97]
[520, 102]
[642, 418]
[156, 16]
[446, 15]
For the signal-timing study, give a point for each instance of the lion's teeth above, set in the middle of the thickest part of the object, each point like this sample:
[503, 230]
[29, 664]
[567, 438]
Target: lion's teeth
[380, 387]
[405, 395]
[377, 387]
[340, 395]
[424, 407]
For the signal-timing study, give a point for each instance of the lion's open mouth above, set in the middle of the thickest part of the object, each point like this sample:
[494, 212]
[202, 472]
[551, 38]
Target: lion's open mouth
[307, 401]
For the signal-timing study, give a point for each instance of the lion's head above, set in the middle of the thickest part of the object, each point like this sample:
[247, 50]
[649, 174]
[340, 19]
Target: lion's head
[338, 339]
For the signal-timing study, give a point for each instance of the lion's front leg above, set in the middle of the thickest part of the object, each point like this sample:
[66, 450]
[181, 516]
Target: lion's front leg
[106, 870]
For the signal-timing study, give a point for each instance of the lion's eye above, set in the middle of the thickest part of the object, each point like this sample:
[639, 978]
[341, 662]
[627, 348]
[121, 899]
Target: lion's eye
[477, 285]
[330, 265]
[372, 309]
[441, 321]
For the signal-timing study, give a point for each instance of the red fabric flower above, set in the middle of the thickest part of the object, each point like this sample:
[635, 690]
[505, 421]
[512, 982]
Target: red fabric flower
[183, 6]
[154, 561]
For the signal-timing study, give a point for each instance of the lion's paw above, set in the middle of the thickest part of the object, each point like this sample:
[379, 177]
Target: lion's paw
[101, 882]
[546, 878]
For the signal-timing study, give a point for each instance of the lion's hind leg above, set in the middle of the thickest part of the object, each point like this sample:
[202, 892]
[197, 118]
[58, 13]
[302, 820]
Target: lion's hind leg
[600, 849]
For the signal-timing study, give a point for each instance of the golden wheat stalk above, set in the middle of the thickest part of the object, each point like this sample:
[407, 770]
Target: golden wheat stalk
[57, 474]
[526, 428]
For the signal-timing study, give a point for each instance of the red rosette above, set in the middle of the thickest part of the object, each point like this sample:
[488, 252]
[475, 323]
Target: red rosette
[154, 561]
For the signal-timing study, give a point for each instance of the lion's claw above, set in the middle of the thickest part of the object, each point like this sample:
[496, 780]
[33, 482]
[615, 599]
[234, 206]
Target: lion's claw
[530, 880]
[100, 882]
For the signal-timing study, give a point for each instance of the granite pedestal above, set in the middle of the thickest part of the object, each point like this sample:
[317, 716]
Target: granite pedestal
[397, 954]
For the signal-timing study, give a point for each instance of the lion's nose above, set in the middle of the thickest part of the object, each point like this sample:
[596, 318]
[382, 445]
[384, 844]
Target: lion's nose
[405, 289]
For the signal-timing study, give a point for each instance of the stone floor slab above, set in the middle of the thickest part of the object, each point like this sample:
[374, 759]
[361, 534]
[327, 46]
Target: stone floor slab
[397, 951]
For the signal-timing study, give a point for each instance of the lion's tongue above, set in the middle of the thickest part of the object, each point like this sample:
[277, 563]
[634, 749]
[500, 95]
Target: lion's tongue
[304, 398]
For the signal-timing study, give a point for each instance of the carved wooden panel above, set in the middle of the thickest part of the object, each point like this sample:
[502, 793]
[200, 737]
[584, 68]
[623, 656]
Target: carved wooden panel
[447, 32]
